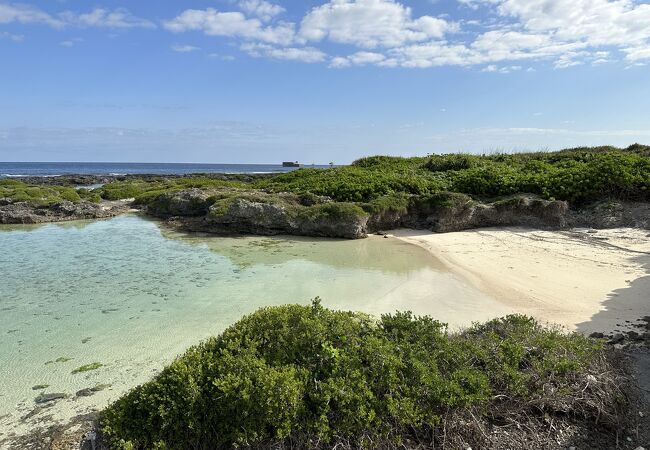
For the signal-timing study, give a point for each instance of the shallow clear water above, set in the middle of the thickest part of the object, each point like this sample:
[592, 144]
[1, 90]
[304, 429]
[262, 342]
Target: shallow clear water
[131, 294]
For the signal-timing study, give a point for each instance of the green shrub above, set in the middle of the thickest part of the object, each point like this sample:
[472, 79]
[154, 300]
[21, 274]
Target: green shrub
[144, 190]
[37, 195]
[334, 211]
[444, 163]
[388, 184]
[10, 182]
[319, 376]
[441, 200]
[356, 183]
[391, 203]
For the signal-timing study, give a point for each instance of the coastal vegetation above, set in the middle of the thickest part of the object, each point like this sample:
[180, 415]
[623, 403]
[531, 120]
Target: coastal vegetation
[385, 183]
[437, 192]
[309, 377]
[18, 191]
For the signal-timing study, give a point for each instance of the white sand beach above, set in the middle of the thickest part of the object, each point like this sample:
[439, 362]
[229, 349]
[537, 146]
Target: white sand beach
[586, 280]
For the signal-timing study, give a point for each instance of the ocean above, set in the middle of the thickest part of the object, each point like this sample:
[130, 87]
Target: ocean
[50, 169]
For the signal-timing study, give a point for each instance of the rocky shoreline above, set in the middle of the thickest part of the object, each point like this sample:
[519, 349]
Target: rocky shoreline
[192, 210]
[245, 212]
[28, 213]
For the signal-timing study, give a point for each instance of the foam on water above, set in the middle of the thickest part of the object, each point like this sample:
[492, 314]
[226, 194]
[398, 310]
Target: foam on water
[132, 295]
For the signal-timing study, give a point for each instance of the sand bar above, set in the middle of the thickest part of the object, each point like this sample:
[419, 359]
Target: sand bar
[586, 280]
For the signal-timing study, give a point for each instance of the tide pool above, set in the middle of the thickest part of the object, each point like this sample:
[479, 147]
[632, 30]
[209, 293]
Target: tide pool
[131, 294]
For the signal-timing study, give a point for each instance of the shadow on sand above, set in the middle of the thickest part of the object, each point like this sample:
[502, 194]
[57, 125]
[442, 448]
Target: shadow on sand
[625, 306]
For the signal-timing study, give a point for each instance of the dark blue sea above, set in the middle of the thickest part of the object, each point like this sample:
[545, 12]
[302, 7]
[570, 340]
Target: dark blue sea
[18, 169]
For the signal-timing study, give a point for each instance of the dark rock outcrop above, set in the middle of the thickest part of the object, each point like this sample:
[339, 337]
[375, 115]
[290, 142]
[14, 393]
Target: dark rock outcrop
[612, 214]
[231, 211]
[445, 212]
[514, 211]
[251, 217]
[187, 203]
[244, 212]
[27, 213]
[260, 217]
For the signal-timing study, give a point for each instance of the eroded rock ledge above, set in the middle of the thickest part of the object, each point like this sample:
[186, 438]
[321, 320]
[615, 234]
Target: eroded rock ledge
[28, 213]
[241, 211]
[229, 211]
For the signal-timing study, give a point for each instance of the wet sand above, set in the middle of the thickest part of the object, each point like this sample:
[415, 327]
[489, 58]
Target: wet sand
[585, 280]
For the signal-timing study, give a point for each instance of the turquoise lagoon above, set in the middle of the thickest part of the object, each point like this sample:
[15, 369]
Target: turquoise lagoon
[131, 294]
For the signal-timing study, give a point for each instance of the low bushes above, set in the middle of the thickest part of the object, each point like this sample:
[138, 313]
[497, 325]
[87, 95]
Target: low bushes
[144, 190]
[45, 195]
[332, 211]
[309, 375]
[578, 176]
[356, 183]
[385, 184]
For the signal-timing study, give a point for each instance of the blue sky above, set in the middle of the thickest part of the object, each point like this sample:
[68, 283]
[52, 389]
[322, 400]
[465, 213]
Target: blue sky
[259, 81]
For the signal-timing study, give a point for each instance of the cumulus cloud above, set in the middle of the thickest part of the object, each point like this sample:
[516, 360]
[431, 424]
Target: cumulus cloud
[231, 24]
[98, 17]
[370, 23]
[586, 23]
[304, 54]
[104, 18]
[598, 22]
[261, 9]
[638, 53]
[27, 14]
[362, 59]
[565, 32]
[387, 33]
[505, 69]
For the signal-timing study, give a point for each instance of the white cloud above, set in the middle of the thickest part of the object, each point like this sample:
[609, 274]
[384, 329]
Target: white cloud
[434, 54]
[504, 69]
[27, 14]
[586, 23]
[386, 33]
[98, 17]
[71, 42]
[598, 22]
[221, 57]
[637, 53]
[184, 48]
[361, 58]
[104, 18]
[304, 54]
[569, 60]
[566, 33]
[261, 9]
[11, 36]
[339, 62]
[370, 24]
[232, 24]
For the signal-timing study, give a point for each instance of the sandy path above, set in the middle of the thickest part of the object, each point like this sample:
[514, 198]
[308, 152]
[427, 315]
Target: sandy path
[583, 279]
